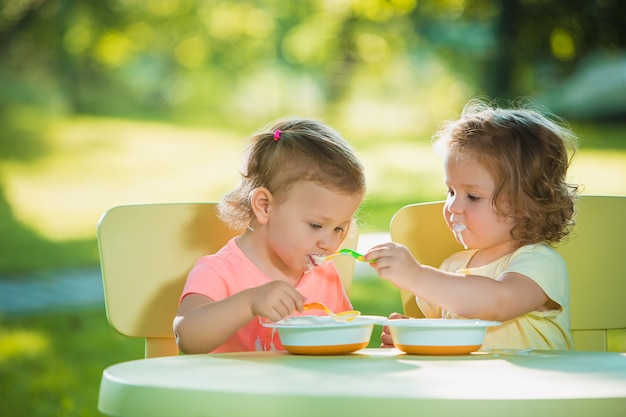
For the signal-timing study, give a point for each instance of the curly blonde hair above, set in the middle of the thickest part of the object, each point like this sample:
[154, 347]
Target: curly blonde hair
[528, 153]
[304, 150]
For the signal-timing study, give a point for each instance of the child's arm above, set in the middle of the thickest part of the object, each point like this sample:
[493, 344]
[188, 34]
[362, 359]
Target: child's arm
[471, 296]
[201, 324]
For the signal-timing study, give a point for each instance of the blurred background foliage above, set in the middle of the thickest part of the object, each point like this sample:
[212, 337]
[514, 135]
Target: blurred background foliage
[222, 61]
[108, 102]
[128, 101]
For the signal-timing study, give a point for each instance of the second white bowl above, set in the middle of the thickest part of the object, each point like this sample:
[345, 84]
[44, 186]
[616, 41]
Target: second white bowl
[438, 336]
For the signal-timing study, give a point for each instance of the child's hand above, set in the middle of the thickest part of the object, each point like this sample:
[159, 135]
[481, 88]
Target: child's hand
[276, 300]
[385, 337]
[395, 263]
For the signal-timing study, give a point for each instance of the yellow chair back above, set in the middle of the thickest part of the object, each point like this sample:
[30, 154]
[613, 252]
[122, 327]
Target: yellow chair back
[146, 252]
[422, 229]
[597, 284]
[597, 281]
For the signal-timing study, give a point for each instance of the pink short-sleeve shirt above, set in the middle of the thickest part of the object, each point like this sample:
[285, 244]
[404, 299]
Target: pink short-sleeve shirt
[229, 271]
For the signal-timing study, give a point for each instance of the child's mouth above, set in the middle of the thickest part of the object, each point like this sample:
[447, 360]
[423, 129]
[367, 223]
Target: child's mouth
[316, 260]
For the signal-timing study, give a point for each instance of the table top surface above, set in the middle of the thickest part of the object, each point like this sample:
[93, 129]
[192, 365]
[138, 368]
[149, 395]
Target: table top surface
[372, 380]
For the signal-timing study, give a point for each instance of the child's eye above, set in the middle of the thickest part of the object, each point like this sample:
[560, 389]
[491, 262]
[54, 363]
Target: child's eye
[473, 197]
[339, 229]
[450, 192]
[315, 225]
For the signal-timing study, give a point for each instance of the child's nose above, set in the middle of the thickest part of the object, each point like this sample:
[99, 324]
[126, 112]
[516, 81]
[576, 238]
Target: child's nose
[454, 206]
[328, 241]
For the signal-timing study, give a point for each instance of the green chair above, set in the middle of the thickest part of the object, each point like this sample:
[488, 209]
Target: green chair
[146, 252]
[592, 254]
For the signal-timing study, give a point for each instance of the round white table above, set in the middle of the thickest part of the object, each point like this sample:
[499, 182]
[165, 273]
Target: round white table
[370, 382]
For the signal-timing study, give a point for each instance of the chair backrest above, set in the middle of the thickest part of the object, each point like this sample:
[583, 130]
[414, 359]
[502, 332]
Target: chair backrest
[597, 284]
[422, 229]
[146, 252]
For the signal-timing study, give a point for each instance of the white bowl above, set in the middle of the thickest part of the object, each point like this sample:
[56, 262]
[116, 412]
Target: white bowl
[321, 335]
[438, 336]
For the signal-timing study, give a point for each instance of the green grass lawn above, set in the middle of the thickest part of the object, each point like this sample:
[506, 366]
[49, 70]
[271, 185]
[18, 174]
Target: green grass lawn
[50, 365]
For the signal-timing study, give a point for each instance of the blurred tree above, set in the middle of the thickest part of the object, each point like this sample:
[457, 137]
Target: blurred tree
[536, 42]
[176, 57]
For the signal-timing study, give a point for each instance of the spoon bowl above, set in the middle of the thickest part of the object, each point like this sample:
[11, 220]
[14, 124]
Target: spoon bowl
[343, 316]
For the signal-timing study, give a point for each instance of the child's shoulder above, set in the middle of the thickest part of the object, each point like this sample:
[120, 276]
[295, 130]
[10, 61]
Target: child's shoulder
[229, 254]
[540, 254]
[537, 248]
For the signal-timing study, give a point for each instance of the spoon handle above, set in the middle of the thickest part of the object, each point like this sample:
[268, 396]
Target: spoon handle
[352, 253]
[345, 251]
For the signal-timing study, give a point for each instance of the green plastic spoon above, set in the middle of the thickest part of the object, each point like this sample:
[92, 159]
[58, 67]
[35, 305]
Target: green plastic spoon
[320, 260]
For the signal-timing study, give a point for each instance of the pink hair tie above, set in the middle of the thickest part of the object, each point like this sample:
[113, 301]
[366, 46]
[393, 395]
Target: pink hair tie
[277, 135]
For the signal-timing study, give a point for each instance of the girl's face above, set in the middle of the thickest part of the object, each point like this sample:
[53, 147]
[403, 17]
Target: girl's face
[312, 220]
[470, 191]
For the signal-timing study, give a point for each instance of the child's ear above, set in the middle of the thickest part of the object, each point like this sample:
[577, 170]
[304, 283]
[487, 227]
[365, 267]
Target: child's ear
[261, 201]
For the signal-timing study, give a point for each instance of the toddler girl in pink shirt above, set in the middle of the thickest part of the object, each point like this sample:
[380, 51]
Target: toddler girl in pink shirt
[300, 188]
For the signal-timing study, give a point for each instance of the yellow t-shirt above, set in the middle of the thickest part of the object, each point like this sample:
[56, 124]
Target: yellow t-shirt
[537, 329]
